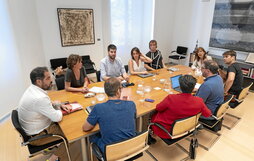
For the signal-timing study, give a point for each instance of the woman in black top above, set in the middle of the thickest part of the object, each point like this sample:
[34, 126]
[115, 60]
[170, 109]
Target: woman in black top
[75, 75]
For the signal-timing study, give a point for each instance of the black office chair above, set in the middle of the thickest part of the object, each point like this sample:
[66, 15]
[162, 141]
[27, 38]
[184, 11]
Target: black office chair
[126, 68]
[98, 75]
[88, 64]
[60, 82]
[34, 150]
[57, 62]
[181, 53]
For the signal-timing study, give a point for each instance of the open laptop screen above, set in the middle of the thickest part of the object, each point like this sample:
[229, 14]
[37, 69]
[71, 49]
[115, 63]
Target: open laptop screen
[175, 81]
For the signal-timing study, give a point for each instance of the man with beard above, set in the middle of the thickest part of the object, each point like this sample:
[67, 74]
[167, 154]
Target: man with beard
[37, 114]
[212, 90]
[112, 66]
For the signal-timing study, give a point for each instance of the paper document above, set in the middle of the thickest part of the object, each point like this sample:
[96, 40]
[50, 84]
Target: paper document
[97, 90]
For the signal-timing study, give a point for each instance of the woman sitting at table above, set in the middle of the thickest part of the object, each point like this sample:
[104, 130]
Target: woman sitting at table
[136, 64]
[200, 57]
[75, 76]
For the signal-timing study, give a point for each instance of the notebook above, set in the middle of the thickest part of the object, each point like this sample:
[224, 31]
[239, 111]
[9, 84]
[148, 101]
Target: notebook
[145, 75]
[175, 83]
[74, 107]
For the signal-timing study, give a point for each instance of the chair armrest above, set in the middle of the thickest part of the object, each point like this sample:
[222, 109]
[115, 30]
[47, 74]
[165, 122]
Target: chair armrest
[37, 138]
[161, 127]
[97, 151]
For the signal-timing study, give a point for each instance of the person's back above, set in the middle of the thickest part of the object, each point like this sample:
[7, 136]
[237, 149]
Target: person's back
[178, 106]
[116, 119]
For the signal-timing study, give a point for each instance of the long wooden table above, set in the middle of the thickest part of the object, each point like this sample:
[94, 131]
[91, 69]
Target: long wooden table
[71, 124]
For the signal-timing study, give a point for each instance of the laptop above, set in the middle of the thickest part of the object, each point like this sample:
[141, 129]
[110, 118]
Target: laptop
[145, 75]
[175, 83]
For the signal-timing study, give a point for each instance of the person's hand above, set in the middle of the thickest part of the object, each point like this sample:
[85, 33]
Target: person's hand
[84, 90]
[66, 108]
[120, 78]
[145, 72]
[127, 78]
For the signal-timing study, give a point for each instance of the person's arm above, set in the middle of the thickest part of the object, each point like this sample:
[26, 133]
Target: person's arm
[87, 126]
[148, 67]
[205, 111]
[145, 58]
[103, 71]
[68, 88]
[91, 120]
[164, 66]
[223, 74]
[203, 92]
[130, 65]
[229, 82]
[44, 106]
[162, 106]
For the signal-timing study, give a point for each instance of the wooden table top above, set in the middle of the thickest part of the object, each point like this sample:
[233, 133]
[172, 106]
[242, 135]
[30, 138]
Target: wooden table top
[71, 124]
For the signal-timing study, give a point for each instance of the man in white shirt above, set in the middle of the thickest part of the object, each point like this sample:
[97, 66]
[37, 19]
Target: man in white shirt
[112, 66]
[36, 112]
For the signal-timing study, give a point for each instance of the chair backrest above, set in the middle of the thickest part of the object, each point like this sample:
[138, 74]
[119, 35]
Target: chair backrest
[184, 126]
[88, 64]
[16, 124]
[58, 62]
[98, 75]
[60, 82]
[128, 148]
[181, 50]
[126, 68]
[244, 92]
[222, 109]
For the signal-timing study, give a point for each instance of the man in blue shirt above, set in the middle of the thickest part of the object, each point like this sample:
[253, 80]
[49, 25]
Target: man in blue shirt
[212, 90]
[115, 117]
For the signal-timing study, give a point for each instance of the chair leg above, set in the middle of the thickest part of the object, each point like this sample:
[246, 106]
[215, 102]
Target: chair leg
[66, 147]
[213, 142]
[151, 155]
[236, 122]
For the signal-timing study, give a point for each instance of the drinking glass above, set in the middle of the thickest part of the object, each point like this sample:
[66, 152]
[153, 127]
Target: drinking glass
[167, 87]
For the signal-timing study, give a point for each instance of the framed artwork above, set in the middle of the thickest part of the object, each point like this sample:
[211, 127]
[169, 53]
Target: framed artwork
[76, 26]
[233, 25]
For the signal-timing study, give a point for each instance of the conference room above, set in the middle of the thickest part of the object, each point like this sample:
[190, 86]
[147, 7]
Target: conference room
[34, 33]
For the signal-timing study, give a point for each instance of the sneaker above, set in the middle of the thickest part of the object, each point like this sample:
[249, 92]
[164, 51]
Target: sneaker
[151, 140]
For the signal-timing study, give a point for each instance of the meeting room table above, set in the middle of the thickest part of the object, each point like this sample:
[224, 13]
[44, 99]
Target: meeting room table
[156, 87]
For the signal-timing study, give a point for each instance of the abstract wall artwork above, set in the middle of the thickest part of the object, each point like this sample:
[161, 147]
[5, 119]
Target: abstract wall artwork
[76, 26]
[233, 25]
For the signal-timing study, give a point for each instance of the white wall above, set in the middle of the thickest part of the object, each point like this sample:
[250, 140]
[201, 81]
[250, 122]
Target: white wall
[20, 50]
[164, 25]
[49, 27]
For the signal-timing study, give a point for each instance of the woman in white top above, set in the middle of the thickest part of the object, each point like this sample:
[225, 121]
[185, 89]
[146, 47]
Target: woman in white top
[136, 64]
[200, 57]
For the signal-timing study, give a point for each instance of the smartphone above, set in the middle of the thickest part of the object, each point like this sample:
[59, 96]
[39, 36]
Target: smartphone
[149, 100]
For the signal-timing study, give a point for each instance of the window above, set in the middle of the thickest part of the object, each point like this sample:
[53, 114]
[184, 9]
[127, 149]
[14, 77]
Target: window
[131, 25]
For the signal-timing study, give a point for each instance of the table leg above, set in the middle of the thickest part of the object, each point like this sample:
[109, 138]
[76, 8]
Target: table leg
[140, 124]
[84, 149]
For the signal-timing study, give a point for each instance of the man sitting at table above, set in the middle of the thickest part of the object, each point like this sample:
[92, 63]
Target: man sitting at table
[212, 90]
[115, 117]
[37, 114]
[112, 66]
[177, 106]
